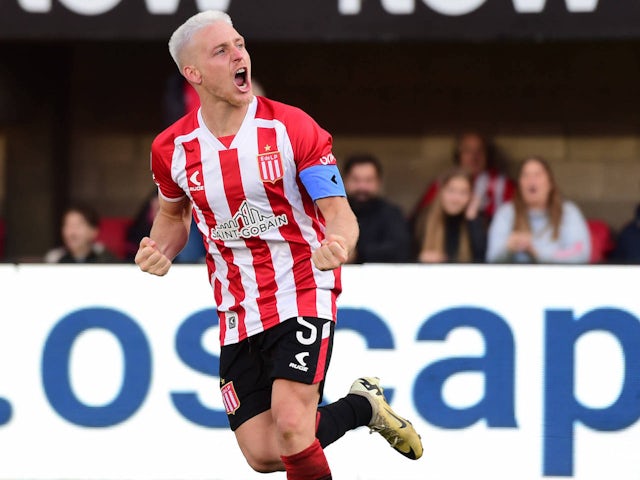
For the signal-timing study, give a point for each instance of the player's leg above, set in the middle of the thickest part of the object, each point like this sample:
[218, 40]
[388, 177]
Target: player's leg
[365, 405]
[259, 445]
[245, 383]
[396, 430]
[301, 349]
[337, 418]
[294, 406]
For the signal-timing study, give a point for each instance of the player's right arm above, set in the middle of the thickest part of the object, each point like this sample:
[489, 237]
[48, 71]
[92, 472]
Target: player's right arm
[169, 235]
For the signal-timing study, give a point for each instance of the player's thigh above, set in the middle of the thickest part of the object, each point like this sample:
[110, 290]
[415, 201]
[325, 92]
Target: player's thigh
[300, 349]
[257, 440]
[294, 406]
[245, 381]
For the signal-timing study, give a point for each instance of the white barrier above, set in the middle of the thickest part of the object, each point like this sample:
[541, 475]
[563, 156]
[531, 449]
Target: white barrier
[508, 372]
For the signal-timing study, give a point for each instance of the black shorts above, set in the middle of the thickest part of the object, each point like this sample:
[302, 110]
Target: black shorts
[297, 349]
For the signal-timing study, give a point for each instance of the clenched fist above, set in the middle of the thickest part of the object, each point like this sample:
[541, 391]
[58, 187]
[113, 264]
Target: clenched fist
[331, 254]
[150, 259]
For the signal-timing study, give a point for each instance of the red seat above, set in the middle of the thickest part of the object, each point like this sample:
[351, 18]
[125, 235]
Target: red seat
[602, 243]
[113, 234]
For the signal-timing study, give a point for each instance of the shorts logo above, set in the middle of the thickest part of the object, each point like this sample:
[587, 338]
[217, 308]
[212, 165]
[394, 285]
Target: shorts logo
[300, 358]
[230, 398]
[270, 165]
[302, 364]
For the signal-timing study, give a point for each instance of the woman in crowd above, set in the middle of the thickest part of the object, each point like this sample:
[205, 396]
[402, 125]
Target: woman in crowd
[475, 153]
[79, 232]
[538, 226]
[451, 230]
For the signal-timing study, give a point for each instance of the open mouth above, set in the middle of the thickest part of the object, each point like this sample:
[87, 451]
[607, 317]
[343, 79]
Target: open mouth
[240, 79]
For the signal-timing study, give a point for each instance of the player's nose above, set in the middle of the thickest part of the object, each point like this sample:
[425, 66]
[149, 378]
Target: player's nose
[236, 53]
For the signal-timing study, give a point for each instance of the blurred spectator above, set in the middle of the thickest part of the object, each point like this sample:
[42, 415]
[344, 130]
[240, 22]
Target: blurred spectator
[384, 233]
[538, 225]
[193, 251]
[79, 233]
[451, 229]
[628, 242]
[142, 223]
[474, 153]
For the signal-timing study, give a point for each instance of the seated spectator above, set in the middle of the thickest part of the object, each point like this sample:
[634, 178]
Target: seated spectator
[142, 222]
[538, 226]
[193, 252]
[628, 242]
[384, 234]
[79, 233]
[475, 154]
[451, 229]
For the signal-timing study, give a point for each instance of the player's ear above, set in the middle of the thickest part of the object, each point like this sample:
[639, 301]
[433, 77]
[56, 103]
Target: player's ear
[192, 74]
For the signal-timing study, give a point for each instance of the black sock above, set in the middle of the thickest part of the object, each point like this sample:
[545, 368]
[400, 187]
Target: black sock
[339, 417]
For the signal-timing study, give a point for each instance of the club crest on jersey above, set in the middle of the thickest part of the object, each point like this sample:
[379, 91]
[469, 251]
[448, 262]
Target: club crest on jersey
[270, 165]
[230, 398]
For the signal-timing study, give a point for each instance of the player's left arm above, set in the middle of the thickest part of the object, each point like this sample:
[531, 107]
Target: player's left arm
[341, 233]
[320, 176]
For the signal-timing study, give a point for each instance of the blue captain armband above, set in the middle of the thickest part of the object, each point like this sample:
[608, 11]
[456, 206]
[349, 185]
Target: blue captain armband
[323, 181]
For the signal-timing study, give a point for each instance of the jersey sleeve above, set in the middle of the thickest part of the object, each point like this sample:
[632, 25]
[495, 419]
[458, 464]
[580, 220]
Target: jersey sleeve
[312, 151]
[161, 171]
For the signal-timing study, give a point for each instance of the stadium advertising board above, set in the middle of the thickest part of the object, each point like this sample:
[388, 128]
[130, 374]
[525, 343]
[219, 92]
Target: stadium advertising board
[507, 372]
[327, 20]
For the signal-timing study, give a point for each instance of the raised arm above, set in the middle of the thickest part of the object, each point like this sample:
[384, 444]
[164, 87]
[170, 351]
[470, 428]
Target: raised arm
[341, 233]
[169, 235]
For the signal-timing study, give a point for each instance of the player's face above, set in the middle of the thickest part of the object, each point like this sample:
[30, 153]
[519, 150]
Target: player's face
[362, 183]
[77, 234]
[221, 64]
[456, 195]
[535, 184]
[473, 154]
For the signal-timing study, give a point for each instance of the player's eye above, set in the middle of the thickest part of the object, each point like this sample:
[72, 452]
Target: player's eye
[219, 51]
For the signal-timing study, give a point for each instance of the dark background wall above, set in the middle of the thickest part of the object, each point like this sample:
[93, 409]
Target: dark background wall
[77, 118]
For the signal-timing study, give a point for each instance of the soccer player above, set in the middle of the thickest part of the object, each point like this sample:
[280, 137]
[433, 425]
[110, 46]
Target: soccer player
[268, 199]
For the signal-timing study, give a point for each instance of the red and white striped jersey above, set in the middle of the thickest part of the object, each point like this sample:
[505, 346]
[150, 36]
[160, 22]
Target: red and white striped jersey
[258, 221]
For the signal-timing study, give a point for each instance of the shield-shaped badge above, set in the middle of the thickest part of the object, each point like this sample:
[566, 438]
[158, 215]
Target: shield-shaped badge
[270, 166]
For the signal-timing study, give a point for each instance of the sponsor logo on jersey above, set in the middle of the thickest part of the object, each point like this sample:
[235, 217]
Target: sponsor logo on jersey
[270, 165]
[328, 159]
[247, 222]
[302, 364]
[230, 398]
[194, 182]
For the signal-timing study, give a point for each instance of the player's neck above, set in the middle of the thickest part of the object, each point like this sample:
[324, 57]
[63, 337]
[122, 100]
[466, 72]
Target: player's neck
[222, 118]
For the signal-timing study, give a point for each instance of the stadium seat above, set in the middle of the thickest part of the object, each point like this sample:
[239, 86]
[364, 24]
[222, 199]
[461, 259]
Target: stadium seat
[113, 234]
[602, 243]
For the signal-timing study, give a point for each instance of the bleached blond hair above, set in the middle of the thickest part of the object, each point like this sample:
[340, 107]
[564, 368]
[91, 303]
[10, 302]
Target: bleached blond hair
[185, 32]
